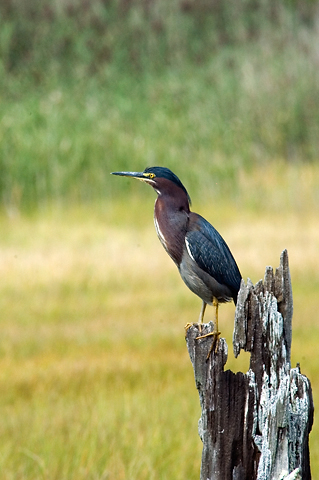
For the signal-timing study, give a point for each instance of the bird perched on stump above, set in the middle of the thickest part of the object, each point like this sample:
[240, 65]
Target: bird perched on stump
[201, 255]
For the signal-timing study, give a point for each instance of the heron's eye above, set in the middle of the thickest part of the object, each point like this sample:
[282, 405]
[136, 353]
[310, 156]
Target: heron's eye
[149, 175]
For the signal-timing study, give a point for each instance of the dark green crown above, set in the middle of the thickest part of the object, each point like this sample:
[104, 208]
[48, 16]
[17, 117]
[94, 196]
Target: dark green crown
[162, 172]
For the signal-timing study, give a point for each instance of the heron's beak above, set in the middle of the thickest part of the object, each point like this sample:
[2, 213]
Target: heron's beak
[144, 177]
[138, 175]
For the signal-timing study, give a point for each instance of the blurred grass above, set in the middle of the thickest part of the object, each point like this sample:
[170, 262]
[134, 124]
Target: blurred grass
[95, 377]
[104, 85]
[59, 143]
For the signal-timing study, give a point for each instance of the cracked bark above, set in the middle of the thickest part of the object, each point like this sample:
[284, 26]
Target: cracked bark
[254, 425]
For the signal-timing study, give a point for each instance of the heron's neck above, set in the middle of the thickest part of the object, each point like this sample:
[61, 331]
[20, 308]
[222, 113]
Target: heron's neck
[171, 214]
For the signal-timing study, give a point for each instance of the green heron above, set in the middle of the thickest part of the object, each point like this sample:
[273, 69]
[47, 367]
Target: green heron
[203, 259]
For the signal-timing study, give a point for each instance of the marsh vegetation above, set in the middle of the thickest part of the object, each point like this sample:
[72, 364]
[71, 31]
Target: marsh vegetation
[95, 378]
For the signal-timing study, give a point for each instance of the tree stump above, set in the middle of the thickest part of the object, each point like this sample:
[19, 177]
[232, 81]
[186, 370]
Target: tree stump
[254, 425]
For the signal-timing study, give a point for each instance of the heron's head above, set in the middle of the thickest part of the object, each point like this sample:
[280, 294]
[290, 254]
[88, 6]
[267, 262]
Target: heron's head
[162, 179]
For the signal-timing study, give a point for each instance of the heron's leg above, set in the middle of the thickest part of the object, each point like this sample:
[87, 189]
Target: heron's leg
[200, 320]
[215, 304]
[201, 316]
[202, 312]
[215, 332]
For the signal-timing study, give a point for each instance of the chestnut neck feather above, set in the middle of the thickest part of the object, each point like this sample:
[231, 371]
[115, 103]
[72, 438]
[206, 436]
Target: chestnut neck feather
[171, 215]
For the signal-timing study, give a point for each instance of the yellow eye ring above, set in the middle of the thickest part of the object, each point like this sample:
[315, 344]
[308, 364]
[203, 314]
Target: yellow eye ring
[149, 175]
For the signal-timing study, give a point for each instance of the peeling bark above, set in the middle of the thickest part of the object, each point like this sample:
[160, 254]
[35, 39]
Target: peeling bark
[254, 425]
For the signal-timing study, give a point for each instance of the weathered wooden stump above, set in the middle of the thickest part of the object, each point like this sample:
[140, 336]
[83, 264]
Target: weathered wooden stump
[254, 425]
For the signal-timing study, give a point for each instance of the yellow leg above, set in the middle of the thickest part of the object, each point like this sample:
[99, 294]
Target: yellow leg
[202, 312]
[200, 320]
[215, 304]
[215, 333]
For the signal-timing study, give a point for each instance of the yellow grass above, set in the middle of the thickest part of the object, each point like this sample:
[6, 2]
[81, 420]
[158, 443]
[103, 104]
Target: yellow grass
[95, 378]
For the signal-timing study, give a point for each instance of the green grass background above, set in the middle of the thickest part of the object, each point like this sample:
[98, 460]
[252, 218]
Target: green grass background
[95, 378]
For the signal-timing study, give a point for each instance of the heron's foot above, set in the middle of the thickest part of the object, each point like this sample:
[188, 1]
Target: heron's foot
[189, 325]
[214, 346]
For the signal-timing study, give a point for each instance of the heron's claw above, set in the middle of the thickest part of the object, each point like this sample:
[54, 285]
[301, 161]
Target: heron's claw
[189, 325]
[214, 346]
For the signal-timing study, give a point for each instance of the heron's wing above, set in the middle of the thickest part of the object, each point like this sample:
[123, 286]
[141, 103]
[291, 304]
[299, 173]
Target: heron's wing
[211, 253]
